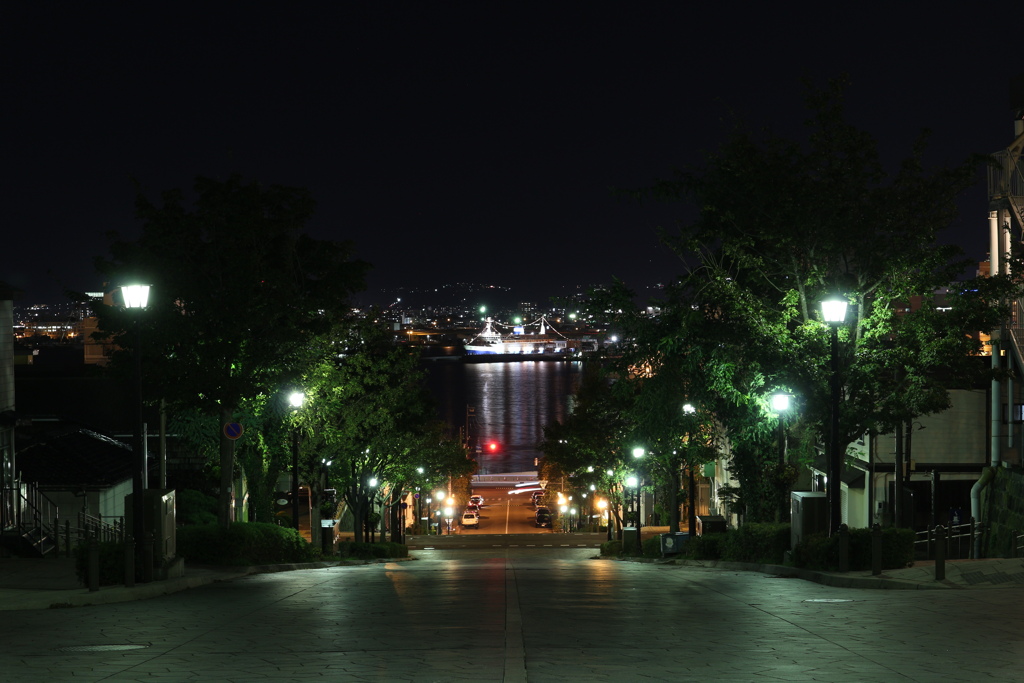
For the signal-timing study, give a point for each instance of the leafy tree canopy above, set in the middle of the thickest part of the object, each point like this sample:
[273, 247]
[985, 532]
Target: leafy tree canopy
[238, 290]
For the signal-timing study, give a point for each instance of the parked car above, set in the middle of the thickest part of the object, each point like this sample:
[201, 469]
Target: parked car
[474, 508]
[476, 500]
[470, 519]
[543, 517]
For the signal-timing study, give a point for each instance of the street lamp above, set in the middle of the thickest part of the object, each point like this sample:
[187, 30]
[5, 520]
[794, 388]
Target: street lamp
[780, 404]
[373, 508]
[634, 483]
[691, 506]
[834, 313]
[295, 400]
[602, 505]
[449, 515]
[637, 454]
[136, 297]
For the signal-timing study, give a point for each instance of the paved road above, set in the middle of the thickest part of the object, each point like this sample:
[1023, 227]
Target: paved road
[514, 615]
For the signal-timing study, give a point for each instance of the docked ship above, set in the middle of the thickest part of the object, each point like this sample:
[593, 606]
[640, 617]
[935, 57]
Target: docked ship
[546, 343]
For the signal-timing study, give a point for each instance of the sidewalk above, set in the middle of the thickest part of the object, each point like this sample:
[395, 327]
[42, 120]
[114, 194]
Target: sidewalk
[960, 574]
[51, 583]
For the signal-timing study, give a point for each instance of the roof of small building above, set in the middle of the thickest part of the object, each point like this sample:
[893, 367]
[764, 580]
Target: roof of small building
[64, 457]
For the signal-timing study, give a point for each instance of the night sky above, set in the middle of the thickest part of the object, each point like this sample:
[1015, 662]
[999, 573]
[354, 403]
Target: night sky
[473, 142]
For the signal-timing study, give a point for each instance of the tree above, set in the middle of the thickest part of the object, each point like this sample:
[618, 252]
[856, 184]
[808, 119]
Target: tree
[781, 225]
[238, 290]
[368, 412]
[588, 444]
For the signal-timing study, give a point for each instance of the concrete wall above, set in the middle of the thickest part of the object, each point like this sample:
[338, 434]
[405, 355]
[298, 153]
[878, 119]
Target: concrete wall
[958, 435]
[1003, 510]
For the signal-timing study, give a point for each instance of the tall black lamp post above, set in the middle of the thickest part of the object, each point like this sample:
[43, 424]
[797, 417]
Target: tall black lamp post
[834, 313]
[638, 453]
[136, 297]
[691, 482]
[296, 399]
[780, 404]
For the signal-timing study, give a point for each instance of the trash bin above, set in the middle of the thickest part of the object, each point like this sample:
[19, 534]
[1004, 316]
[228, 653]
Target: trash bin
[672, 543]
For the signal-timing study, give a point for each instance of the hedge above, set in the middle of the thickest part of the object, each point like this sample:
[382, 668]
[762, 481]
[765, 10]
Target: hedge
[243, 543]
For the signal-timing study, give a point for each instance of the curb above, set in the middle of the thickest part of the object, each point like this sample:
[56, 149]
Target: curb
[834, 580]
[16, 599]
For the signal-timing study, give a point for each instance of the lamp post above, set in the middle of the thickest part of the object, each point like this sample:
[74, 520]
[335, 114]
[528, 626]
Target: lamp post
[439, 497]
[638, 453]
[691, 503]
[780, 404]
[136, 297]
[295, 399]
[373, 507]
[633, 482]
[449, 515]
[834, 313]
[602, 505]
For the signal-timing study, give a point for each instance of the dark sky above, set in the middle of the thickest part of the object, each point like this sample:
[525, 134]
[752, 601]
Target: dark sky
[459, 141]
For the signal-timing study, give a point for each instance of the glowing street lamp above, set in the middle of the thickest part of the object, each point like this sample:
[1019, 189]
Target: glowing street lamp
[780, 404]
[136, 298]
[834, 313]
[295, 400]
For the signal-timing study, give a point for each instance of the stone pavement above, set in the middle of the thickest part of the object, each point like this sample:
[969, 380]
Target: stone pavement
[960, 574]
[51, 583]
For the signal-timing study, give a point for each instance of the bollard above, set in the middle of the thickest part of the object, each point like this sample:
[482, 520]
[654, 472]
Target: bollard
[94, 564]
[940, 553]
[129, 562]
[844, 548]
[147, 557]
[327, 540]
[876, 550]
[973, 550]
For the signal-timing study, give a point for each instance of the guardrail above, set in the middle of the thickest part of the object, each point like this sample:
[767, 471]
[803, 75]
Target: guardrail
[961, 541]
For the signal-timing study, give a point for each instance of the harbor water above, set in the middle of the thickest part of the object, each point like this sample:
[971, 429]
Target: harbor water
[505, 406]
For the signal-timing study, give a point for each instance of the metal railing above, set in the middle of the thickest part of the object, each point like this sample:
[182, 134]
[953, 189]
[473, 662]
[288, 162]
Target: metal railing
[961, 541]
[27, 509]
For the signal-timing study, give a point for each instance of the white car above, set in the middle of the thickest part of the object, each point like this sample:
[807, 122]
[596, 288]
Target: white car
[470, 519]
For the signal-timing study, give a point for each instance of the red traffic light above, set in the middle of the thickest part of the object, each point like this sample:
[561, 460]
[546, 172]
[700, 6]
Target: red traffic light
[492, 446]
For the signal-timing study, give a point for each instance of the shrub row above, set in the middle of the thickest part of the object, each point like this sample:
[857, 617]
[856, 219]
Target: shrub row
[768, 543]
[243, 543]
[112, 563]
[821, 552]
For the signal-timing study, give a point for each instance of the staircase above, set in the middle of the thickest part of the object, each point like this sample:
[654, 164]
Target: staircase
[30, 522]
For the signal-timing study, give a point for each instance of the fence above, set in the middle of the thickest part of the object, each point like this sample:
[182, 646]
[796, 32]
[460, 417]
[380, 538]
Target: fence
[962, 541]
[31, 513]
[90, 526]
